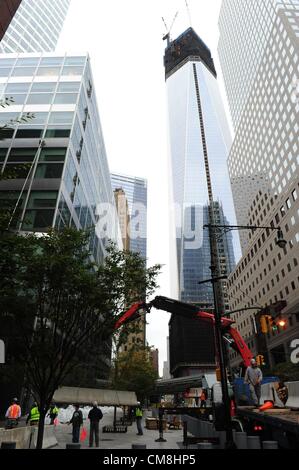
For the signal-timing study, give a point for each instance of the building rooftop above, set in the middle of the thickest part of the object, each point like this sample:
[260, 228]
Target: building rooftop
[188, 45]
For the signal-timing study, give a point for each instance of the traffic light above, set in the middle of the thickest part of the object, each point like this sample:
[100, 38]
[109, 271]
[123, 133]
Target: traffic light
[264, 324]
[260, 360]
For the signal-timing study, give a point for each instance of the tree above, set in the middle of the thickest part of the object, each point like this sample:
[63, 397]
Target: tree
[59, 304]
[136, 373]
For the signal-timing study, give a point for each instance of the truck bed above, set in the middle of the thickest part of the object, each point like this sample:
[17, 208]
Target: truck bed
[283, 419]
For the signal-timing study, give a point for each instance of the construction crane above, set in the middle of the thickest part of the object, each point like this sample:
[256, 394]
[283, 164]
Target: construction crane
[189, 12]
[167, 35]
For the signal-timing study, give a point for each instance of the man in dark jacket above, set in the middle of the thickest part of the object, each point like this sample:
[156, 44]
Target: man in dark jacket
[95, 415]
[76, 421]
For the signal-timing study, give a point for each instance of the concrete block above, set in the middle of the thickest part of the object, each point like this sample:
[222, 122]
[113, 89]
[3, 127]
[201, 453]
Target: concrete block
[270, 445]
[241, 440]
[254, 442]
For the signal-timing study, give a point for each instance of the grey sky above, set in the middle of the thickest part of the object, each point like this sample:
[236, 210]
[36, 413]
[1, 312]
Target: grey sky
[124, 40]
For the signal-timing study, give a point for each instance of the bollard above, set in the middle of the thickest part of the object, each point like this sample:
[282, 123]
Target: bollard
[161, 436]
[8, 445]
[73, 446]
[254, 442]
[241, 440]
[269, 445]
[138, 446]
[205, 446]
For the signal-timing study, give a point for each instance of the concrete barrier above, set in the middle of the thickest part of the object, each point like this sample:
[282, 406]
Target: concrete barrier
[26, 437]
[254, 442]
[270, 445]
[49, 440]
[293, 400]
[267, 393]
[241, 440]
[21, 436]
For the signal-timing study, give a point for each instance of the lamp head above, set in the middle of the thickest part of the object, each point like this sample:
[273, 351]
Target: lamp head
[280, 241]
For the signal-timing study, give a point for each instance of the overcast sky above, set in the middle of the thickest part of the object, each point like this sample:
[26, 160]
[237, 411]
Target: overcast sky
[124, 40]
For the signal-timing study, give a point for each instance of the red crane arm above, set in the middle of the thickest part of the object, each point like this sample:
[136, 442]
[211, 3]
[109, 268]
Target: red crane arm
[241, 347]
[129, 315]
[189, 311]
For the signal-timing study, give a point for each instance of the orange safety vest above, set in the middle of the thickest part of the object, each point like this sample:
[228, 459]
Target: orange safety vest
[14, 411]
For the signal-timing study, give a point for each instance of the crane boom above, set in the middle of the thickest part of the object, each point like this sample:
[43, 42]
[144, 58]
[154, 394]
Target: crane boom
[188, 311]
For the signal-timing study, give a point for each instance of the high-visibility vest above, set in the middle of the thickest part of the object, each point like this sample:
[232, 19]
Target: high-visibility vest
[14, 411]
[54, 411]
[34, 414]
[138, 413]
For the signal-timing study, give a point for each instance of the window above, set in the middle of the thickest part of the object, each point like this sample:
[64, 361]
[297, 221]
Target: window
[52, 155]
[13, 88]
[27, 61]
[22, 155]
[43, 87]
[40, 210]
[288, 203]
[72, 71]
[68, 87]
[75, 60]
[48, 71]
[4, 72]
[66, 98]
[23, 72]
[29, 133]
[57, 133]
[49, 170]
[294, 195]
[40, 98]
[53, 61]
[61, 118]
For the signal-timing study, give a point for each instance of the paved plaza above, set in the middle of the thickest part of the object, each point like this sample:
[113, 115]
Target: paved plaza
[109, 441]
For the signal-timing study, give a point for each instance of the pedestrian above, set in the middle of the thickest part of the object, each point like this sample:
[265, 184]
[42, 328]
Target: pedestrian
[33, 415]
[53, 413]
[95, 415]
[76, 421]
[138, 415]
[254, 378]
[13, 415]
[203, 399]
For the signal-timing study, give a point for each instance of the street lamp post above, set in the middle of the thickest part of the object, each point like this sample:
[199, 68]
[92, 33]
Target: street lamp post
[219, 307]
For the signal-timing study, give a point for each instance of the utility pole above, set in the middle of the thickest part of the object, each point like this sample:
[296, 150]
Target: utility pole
[219, 305]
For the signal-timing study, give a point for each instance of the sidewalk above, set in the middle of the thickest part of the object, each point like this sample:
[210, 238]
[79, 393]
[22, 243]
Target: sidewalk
[121, 441]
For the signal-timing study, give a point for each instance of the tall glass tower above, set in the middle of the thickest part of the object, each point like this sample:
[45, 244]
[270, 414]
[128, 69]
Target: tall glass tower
[35, 27]
[199, 146]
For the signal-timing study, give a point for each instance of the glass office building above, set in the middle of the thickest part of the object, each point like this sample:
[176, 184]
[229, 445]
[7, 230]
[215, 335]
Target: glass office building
[135, 190]
[191, 81]
[199, 146]
[36, 26]
[62, 145]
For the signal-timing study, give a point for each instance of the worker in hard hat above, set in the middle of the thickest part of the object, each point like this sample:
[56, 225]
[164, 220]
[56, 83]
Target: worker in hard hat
[254, 378]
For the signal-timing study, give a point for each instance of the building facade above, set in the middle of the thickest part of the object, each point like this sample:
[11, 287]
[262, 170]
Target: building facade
[8, 9]
[122, 208]
[199, 146]
[35, 27]
[63, 144]
[135, 191]
[264, 165]
[245, 29]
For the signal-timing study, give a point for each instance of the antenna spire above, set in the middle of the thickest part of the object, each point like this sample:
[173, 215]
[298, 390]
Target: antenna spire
[189, 12]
